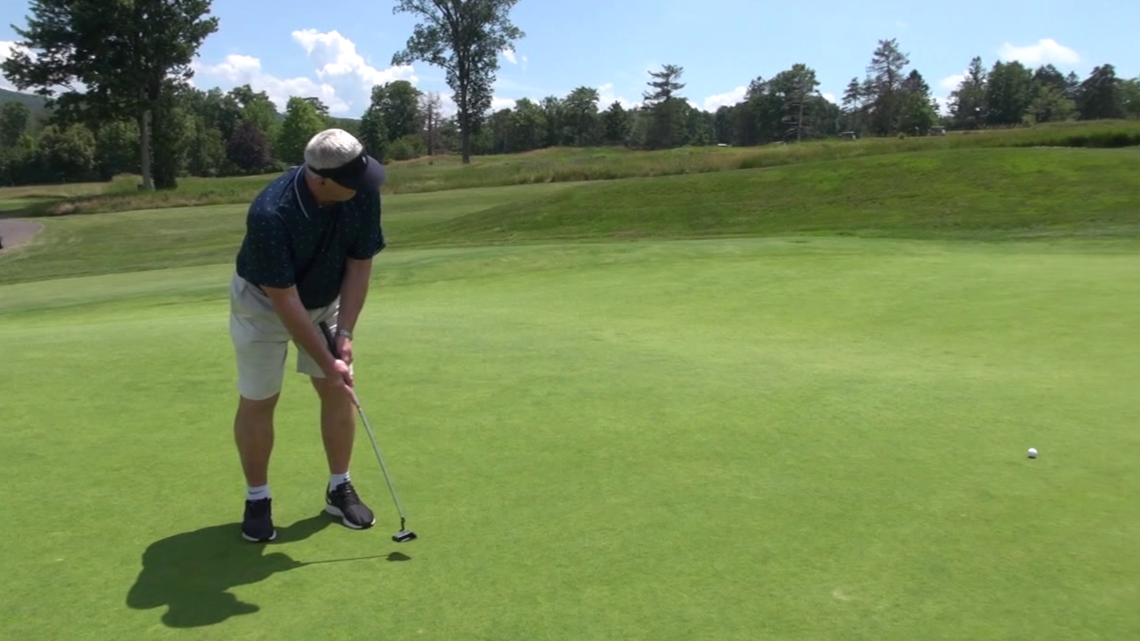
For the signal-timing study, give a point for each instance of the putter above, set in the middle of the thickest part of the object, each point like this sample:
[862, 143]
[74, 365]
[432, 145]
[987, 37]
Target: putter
[404, 534]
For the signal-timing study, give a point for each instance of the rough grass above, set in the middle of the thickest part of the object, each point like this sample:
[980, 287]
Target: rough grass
[985, 194]
[132, 241]
[574, 165]
[967, 193]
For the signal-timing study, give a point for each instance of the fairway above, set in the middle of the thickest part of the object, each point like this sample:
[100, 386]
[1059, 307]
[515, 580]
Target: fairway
[794, 438]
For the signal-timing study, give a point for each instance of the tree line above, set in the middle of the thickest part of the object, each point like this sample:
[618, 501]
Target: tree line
[129, 122]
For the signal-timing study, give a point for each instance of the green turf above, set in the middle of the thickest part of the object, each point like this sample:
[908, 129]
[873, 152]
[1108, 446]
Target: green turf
[733, 439]
[797, 437]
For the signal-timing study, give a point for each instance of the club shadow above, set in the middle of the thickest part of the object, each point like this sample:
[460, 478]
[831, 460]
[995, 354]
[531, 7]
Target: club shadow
[191, 573]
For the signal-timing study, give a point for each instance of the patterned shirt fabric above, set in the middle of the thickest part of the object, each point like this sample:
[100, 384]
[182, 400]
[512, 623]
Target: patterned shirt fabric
[289, 240]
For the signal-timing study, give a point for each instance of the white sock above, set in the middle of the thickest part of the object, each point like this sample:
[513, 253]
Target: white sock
[336, 479]
[256, 493]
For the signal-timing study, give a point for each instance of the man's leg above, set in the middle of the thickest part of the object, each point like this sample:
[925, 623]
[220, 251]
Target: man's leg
[338, 431]
[253, 434]
[338, 426]
[260, 347]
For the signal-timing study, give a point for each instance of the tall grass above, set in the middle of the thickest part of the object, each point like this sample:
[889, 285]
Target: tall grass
[571, 165]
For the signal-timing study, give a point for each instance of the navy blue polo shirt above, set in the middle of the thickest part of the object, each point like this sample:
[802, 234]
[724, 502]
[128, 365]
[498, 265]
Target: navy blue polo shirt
[289, 240]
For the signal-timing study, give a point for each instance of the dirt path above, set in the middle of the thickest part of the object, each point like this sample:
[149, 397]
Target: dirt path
[14, 233]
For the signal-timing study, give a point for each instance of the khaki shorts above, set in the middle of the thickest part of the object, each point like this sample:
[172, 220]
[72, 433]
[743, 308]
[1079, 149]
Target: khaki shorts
[261, 341]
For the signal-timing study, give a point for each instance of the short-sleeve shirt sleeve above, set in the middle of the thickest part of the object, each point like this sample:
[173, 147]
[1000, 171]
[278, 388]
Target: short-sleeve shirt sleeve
[269, 257]
[370, 238]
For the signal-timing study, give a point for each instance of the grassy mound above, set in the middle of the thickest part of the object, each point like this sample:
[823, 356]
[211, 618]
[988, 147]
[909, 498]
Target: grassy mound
[968, 193]
[574, 165]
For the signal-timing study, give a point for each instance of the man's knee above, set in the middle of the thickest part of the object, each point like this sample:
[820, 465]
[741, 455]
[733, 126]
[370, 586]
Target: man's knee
[259, 407]
[330, 392]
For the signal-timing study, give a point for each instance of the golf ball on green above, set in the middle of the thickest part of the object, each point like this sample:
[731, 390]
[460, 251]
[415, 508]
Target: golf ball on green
[1033, 452]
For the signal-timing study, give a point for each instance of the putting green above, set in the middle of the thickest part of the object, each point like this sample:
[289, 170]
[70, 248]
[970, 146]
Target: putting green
[777, 439]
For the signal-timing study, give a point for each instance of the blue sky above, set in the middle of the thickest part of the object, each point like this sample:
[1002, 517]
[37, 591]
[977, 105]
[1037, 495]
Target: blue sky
[337, 49]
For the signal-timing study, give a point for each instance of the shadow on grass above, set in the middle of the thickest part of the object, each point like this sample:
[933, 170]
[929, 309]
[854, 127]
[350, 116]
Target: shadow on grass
[191, 573]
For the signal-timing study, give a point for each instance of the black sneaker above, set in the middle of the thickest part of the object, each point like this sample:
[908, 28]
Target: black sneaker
[257, 526]
[344, 502]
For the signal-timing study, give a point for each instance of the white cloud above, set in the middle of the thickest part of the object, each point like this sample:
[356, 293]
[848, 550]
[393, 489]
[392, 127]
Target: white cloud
[1045, 51]
[830, 97]
[239, 70]
[509, 54]
[712, 103]
[343, 76]
[607, 97]
[951, 82]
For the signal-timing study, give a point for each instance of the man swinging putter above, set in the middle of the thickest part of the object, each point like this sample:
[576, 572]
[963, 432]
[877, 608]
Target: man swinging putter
[306, 258]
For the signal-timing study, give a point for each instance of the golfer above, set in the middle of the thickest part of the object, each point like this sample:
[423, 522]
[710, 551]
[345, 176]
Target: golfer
[306, 257]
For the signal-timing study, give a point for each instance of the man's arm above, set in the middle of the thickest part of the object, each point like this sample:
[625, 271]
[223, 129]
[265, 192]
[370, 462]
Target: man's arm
[354, 291]
[295, 317]
[358, 270]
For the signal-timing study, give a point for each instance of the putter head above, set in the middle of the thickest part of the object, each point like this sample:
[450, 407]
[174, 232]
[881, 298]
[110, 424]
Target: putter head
[403, 536]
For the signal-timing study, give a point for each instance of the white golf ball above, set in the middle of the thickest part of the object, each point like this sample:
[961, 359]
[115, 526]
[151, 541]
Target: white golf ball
[1033, 452]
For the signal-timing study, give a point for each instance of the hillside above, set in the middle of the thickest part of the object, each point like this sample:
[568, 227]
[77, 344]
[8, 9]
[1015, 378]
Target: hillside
[36, 104]
[985, 194]
[964, 193]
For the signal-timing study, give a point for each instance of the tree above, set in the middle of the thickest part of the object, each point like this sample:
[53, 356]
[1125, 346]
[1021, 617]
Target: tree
[667, 110]
[399, 104]
[67, 153]
[797, 88]
[917, 110]
[374, 133]
[854, 102]
[529, 125]
[1009, 93]
[968, 100]
[248, 148]
[615, 123]
[431, 108]
[581, 116]
[170, 136]
[123, 52]
[1100, 95]
[1130, 97]
[319, 105]
[302, 122]
[14, 119]
[884, 85]
[463, 37]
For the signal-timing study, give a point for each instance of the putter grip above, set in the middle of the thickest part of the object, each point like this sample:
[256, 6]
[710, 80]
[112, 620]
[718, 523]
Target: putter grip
[329, 338]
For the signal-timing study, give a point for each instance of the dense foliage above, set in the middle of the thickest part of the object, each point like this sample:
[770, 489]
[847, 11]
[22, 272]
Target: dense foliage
[212, 132]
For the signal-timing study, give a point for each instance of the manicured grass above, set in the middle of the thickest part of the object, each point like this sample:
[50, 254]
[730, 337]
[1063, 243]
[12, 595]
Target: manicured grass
[804, 436]
[575, 165]
[734, 439]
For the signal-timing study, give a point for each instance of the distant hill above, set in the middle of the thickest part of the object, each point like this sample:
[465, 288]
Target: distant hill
[35, 104]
